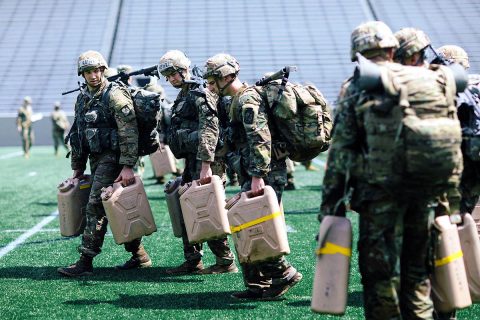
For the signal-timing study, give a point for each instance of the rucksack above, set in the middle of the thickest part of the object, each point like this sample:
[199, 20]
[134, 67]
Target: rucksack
[412, 134]
[301, 117]
[147, 106]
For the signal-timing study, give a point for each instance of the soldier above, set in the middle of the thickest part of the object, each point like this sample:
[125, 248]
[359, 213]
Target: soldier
[105, 132]
[59, 125]
[193, 135]
[468, 110]
[255, 164]
[24, 125]
[394, 241]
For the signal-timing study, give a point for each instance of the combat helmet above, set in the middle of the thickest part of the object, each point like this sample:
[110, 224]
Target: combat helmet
[221, 65]
[91, 60]
[411, 41]
[455, 54]
[173, 60]
[370, 36]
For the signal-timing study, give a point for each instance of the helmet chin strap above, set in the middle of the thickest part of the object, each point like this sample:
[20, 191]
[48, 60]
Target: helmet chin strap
[220, 89]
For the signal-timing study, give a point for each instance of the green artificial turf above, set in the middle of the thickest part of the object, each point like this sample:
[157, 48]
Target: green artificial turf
[31, 287]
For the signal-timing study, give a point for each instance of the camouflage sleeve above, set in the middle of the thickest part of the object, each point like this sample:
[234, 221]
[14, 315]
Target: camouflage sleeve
[255, 122]
[122, 104]
[343, 156]
[208, 126]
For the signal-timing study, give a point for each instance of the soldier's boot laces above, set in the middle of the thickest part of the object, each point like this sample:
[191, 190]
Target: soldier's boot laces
[83, 267]
[276, 291]
[187, 267]
[139, 259]
[218, 268]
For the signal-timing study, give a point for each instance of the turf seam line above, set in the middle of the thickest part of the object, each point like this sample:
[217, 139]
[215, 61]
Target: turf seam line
[11, 155]
[35, 229]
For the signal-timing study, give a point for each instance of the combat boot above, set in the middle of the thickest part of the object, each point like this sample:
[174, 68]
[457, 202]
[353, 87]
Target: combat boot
[276, 291]
[218, 268]
[139, 259]
[188, 267]
[83, 267]
[248, 295]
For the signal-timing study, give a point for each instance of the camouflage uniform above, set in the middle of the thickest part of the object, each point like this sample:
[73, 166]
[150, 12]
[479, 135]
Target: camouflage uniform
[104, 132]
[468, 110]
[394, 245]
[108, 151]
[193, 134]
[59, 125]
[253, 140]
[24, 124]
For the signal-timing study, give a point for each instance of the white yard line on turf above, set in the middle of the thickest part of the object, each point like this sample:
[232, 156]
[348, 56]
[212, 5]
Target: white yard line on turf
[319, 162]
[15, 243]
[11, 155]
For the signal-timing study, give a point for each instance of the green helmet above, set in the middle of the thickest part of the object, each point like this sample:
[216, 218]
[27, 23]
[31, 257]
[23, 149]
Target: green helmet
[221, 65]
[125, 68]
[455, 54]
[90, 60]
[172, 61]
[411, 41]
[370, 36]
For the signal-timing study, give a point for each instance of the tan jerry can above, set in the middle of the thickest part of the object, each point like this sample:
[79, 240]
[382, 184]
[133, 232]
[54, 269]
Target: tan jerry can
[476, 216]
[330, 284]
[258, 226]
[72, 201]
[128, 211]
[471, 254]
[449, 281]
[173, 204]
[203, 208]
[163, 161]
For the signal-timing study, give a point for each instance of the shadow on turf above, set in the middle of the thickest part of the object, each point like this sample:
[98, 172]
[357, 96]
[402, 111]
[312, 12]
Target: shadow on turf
[168, 301]
[155, 274]
[355, 299]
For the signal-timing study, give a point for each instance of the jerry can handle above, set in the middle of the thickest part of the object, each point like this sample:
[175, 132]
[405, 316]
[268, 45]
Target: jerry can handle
[204, 181]
[252, 194]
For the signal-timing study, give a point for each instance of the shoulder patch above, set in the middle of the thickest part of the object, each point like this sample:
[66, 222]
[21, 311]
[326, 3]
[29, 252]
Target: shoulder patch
[126, 110]
[248, 116]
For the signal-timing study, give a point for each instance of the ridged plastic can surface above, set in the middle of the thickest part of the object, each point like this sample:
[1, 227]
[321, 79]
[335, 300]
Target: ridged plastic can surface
[128, 211]
[449, 281]
[163, 161]
[173, 204]
[258, 226]
[330, 283]
[72, 199]
[203, 209]
[470, 244]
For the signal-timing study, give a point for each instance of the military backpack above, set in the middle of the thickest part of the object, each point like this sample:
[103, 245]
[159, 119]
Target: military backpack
[147, 106]
[412, 134]
[300, 114]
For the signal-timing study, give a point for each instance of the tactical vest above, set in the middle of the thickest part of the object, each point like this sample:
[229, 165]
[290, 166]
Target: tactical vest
[96, 125]
[182, 135]
[468, 103]
[412, 135]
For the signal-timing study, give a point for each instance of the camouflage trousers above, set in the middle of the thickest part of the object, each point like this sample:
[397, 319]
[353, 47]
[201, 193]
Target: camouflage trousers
[395, 254]
[58, 139]
[469, 185]
[27, 139]
[220, 247]
[259, 276]
[104, 170]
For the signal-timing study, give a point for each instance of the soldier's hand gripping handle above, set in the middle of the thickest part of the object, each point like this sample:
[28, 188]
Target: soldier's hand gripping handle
[257, 185]
[126, 176]
[78, 174]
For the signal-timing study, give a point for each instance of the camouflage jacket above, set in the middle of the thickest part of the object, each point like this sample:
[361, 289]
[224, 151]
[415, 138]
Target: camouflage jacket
[24, 117]
[253, 139]
[59, 120]
[104, 121]
[194, 125]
